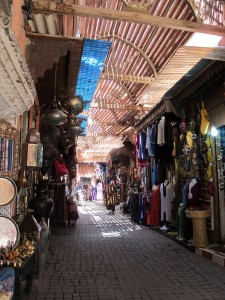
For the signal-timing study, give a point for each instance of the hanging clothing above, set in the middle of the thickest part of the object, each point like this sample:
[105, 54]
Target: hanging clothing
[150, 140]
[182, 219]
[143, 152]
[194, 193]
[161, 131]
[110, 197]
[154, 173]
[166, 193]
[147, 146]
[155, 206]
[185, 192]
[7, 281]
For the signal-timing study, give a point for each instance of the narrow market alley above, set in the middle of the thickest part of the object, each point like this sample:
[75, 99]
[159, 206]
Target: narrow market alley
[108, 256]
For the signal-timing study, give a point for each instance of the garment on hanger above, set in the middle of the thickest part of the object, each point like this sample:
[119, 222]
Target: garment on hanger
[155, 206]
[194, 193]
[137, 145]
[154, 173]
[147, 146]
[161, 131]
[185, 193]
[143, 152]
[150, 140]
[166, 195]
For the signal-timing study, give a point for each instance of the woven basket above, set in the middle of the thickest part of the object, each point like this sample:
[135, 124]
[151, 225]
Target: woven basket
[199, 214]
[200, 238]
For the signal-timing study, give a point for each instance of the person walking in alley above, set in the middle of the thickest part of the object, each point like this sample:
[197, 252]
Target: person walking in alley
[99, 190]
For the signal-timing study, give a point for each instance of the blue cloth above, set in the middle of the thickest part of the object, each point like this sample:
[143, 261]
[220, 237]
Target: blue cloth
[7, 279]
[6, 272]
[143, 152]
[185, 192]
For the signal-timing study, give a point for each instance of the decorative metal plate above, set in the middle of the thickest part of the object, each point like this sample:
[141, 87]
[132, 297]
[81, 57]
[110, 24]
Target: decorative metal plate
[8, 190]
[9, 232]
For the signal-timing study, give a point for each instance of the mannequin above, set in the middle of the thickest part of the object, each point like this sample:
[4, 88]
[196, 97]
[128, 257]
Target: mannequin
[194, 193]
[190, 197]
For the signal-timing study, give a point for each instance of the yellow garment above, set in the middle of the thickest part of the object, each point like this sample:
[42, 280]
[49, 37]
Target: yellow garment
[209, 155]
[205, 124]
[208, 141]
[209, 171]
[174, 149]
[189, 139]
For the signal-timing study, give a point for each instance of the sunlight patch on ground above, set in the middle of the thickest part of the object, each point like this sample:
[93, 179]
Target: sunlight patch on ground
[111, 234]
[82, 211]
[138, 227]
[97, 218]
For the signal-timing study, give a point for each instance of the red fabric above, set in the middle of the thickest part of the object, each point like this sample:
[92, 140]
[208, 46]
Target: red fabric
[60, 167]
[155, 206]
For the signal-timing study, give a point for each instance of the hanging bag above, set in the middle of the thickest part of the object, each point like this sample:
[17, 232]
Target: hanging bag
[60, 167]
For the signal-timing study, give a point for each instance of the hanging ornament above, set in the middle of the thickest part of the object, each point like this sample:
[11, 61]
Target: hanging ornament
[54, 116]
[73, 128]
[73, 106]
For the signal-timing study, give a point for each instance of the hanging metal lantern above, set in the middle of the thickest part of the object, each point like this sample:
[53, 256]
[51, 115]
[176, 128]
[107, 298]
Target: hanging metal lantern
[49, 135]
[74, 105]
[32, 151]
[73, 129]
[54, 116]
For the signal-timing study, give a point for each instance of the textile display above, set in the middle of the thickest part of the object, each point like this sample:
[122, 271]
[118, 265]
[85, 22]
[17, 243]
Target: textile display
[155, 206]
[205, 123]
[166, 193]
[7, 280]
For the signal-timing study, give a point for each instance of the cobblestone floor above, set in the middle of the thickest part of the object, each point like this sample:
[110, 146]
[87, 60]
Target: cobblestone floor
[108, 257]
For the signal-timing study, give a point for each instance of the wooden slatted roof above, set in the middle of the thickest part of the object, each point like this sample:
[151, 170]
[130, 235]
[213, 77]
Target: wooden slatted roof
[147, 57]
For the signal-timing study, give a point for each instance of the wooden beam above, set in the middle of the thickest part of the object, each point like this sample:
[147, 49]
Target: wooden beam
[129, 78]
[99, 123]
[89, 134]
[133, 17]
[214, 53]
[50, 36]
[118, 106]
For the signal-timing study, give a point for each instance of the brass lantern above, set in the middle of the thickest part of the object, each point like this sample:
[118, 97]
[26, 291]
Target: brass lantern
[73, 106]
[54, 116]
[73, 129]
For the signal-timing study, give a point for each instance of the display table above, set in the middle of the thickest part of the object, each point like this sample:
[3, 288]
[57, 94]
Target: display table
[200, 238]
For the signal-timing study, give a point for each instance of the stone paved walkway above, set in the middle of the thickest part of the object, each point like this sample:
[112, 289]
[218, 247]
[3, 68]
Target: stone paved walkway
[108, 257]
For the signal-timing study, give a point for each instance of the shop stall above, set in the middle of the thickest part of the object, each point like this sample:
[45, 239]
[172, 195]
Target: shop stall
[180, 166]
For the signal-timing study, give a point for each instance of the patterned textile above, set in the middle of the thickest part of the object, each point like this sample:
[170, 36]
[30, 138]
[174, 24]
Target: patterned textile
[155, 206]
[110, 197]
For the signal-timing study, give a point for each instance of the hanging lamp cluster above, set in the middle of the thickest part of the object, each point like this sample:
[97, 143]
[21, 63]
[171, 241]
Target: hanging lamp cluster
[65, 113]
